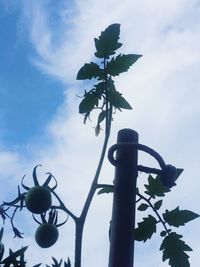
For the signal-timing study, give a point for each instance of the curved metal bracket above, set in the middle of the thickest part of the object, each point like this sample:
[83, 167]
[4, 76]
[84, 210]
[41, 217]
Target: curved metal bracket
[141, 147]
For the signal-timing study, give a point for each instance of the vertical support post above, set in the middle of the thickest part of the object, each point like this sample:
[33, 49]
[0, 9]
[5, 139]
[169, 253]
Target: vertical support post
[123, 213]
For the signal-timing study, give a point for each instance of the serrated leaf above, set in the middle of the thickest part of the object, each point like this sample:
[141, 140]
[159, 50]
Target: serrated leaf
[56, 263]
[68, 263]
[174, 249]
[155, 187]
[158, 204]
[107, 43]
[89, 71]
[117, 100]
[89, 101]
[143, 207]
[12, 258]
[145, 229]
[106, 189]
[100, 88]
[121, 63]
[178, 217]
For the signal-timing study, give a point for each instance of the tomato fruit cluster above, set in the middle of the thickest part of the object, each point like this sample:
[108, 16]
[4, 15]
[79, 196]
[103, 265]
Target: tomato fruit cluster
[38, 199]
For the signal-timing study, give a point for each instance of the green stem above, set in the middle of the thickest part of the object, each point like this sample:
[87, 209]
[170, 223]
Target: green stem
[81, 220]
[78, 242]
[151, 205]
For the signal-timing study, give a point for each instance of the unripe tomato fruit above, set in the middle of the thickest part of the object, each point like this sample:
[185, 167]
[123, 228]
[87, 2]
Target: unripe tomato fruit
[38, 199]
[46, 235]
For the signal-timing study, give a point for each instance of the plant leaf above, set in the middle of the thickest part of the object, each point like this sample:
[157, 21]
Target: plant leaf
[145, 229]
[174, 249]
[2, 249]
[1, 234]
[68, 263]
[97, 129]
[12, 258]
[106, 189]
[89, 71]
[155, 187]
[178, 173]
[121, 63]
[101, 116]
[158, 204]
[178, 217]
[89, 101]
[143, 207]
[117, 100]
[107, 43]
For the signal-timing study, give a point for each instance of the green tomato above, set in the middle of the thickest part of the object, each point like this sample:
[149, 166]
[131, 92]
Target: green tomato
[46, 235]
[38, 199]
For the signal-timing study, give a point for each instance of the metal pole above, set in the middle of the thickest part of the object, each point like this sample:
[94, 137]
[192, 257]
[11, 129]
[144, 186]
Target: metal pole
[123, 214]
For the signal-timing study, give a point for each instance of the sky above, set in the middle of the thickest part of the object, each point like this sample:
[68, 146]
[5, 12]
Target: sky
[43, 45]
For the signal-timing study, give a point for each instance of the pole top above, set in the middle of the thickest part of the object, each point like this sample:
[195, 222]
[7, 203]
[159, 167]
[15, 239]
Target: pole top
[127, 135]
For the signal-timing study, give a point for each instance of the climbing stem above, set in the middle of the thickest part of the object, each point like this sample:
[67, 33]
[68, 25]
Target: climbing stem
[156, 212]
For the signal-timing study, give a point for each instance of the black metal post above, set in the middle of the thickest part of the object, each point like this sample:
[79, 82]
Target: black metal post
[123, 214]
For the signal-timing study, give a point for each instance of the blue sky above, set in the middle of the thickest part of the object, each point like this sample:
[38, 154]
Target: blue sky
[43, 45]
[28, 97]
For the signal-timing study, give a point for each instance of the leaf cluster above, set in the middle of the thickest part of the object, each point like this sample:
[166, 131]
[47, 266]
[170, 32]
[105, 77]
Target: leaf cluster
[173, 247]
[104, 96]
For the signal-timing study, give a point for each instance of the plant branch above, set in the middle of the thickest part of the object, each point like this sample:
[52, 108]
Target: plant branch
[63, 207]
[151, 205]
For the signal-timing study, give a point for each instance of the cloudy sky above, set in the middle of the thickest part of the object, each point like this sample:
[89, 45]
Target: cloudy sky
[43, 45]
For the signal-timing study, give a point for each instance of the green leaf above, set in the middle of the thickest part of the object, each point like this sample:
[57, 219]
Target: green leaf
[117, 100]
[68, 263]
[106, 189]
[155, 187]
[178, 173]
[100, 87]
[89, 101]
[158, 204]
[143, 207]
[101, 116]
[178, 217]
[2, 249]
[121, 63]
[107, 43]
[174, 249]
[89, 71]
[145, 229]
[1, 234]
[97, 129]
[12, 258]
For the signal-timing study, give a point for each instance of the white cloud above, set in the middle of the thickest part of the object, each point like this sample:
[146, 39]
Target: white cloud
[162, 87]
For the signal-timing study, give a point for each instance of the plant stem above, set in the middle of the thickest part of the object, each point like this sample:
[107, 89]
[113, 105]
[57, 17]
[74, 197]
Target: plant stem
[81, 220]
[78, 242]
[151, 205]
